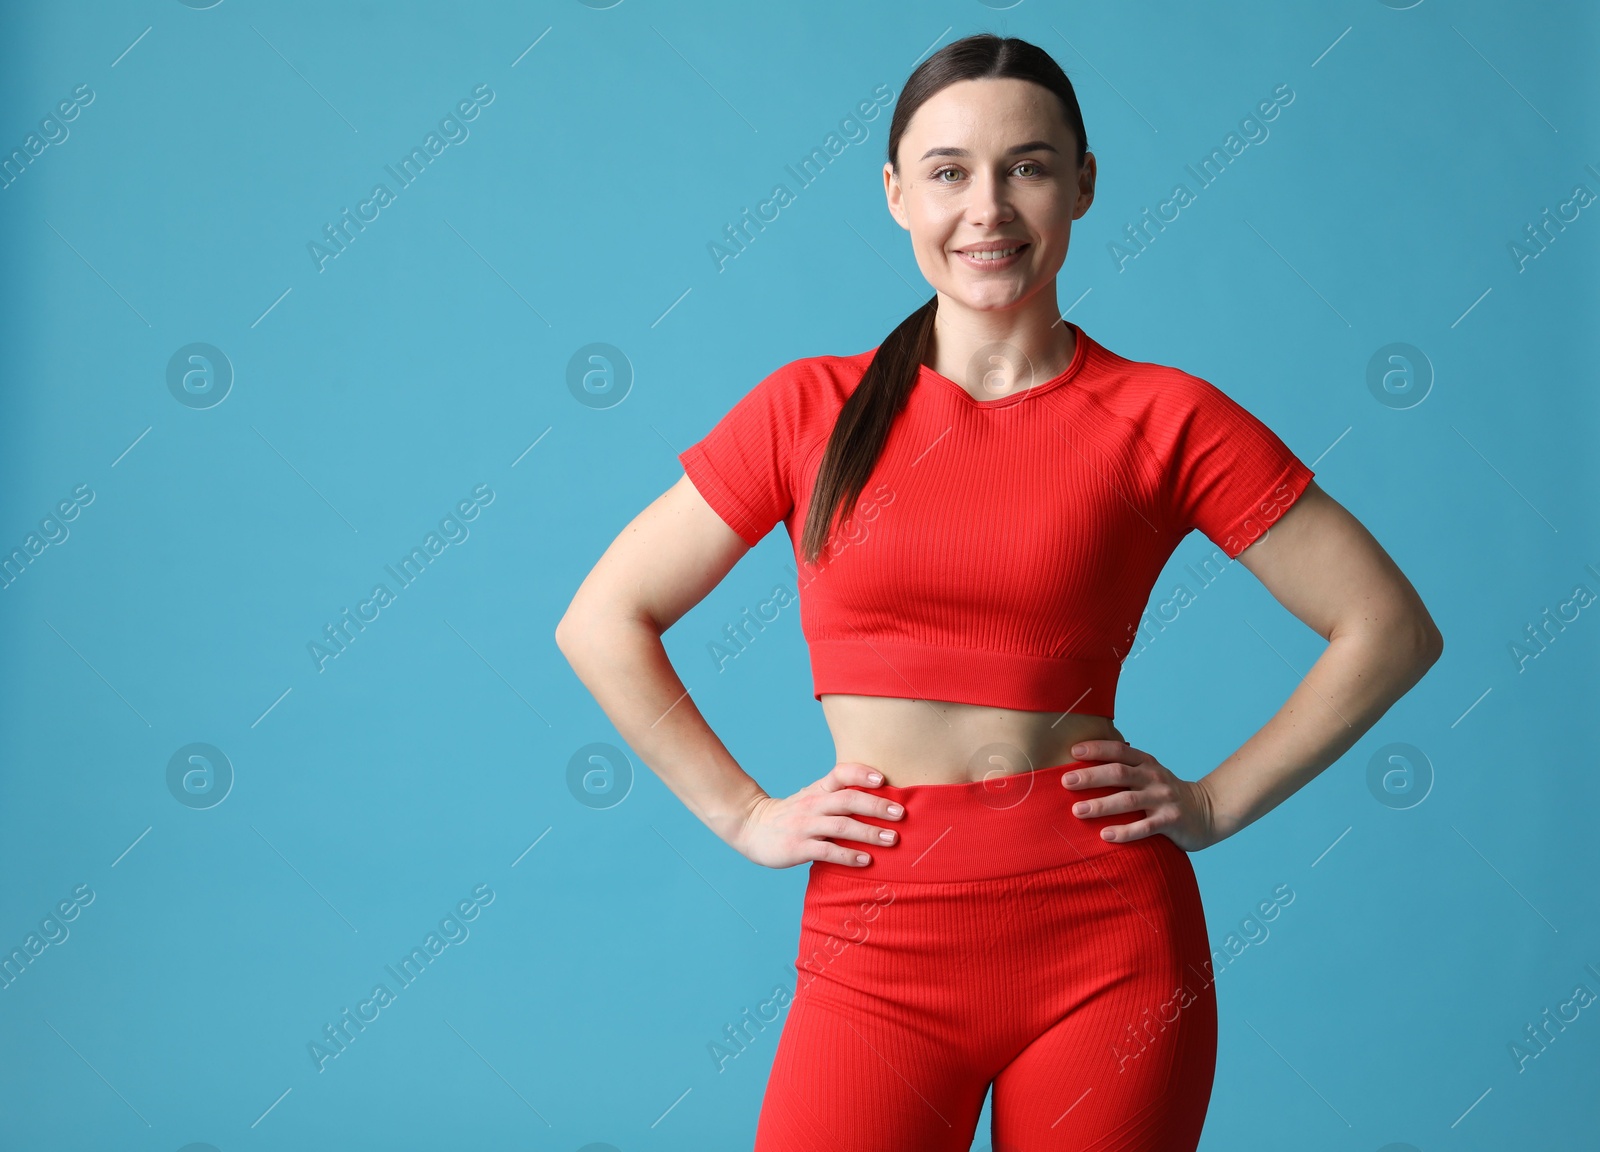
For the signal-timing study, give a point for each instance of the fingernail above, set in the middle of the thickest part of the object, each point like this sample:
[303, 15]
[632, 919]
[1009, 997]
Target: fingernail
[874, 778]
[1078, 749]
[895, 810]
[1071, 777]
[861, 858]
[1079, 809]
[886, 836]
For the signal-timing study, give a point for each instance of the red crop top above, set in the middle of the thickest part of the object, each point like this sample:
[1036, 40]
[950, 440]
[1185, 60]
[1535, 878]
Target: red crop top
[1003, 550]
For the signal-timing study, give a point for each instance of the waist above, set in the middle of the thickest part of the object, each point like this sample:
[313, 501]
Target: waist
[985, 829]
[948, 742]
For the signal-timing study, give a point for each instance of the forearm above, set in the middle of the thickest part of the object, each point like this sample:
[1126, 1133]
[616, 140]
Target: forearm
[625, 667]
[1353, 683]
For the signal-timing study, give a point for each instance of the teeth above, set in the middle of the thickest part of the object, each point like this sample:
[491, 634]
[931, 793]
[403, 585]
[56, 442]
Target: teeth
[998, 254]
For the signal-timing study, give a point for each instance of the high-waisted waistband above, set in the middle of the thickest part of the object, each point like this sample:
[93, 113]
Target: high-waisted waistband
[985, 829]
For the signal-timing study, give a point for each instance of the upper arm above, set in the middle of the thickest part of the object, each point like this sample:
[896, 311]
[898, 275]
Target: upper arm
[1322, 564]
[663, 563]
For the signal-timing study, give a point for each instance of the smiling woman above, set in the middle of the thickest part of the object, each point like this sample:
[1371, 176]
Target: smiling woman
[966, 653]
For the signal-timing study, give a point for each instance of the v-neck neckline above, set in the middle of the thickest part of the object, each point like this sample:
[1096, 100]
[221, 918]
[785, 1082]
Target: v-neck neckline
[1080, 350]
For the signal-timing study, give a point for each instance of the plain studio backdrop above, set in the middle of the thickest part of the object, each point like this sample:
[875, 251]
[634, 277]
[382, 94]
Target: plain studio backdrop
[339, 341]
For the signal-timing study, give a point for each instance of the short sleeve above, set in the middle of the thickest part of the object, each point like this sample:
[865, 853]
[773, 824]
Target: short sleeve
[742, 466]
[1228, 475]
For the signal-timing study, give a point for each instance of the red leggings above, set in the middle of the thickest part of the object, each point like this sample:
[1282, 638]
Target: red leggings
[1001, 941]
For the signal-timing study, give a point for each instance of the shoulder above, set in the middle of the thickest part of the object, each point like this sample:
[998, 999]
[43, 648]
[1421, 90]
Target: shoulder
[810, 390]
[825, 377]
[796, 402]
[1152, 394]
[1149, 395]
[1140, 381]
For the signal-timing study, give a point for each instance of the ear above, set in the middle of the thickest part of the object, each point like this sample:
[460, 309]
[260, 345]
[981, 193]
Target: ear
[893, 195]
[1086, 181]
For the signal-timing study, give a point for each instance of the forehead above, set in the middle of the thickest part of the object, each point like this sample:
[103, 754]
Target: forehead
[990, 112]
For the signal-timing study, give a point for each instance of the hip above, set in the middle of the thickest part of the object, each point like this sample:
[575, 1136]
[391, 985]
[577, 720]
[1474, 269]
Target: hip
[998, 885]
[1006, 825]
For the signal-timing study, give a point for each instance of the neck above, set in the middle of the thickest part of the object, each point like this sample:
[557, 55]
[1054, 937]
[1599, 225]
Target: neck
[992, 354]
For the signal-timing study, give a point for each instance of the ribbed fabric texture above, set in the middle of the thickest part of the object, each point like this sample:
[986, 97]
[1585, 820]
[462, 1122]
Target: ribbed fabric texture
[1003, 550]
[1081, 989]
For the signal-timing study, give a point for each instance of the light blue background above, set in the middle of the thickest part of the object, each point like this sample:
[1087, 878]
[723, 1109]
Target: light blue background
[368, 398]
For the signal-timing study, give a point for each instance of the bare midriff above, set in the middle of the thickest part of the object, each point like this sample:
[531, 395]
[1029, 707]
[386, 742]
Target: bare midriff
[942, 742]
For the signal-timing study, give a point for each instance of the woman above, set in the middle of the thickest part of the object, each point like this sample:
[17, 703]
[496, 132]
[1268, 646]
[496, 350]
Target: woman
[1034, 928]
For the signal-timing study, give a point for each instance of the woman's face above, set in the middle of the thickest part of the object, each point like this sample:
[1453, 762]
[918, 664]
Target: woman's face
[985, 161]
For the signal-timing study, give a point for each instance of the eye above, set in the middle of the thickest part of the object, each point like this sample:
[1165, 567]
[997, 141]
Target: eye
[1037, 170]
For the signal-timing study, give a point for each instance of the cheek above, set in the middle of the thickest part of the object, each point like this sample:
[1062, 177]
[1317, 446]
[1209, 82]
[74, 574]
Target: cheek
[933, 225]
[1054, 236]
[927, 236]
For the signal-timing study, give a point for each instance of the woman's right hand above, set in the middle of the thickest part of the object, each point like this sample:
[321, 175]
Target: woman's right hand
[782, 832]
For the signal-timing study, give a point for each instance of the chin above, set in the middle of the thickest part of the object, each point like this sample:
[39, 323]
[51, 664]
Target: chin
[992, 297]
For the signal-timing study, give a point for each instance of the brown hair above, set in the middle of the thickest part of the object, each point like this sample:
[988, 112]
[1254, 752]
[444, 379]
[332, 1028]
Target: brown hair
[863, 422]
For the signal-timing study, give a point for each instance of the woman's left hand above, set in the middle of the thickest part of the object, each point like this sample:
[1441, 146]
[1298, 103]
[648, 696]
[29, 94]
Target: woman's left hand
[1180, 810]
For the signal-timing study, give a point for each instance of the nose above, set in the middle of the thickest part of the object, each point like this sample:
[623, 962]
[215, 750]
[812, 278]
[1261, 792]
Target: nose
[989, 201]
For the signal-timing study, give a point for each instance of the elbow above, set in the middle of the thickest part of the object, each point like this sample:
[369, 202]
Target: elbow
[1405, 640]
[577, 623]
[571, 640]
[567, 629]
[1429, 642]
[582, 632]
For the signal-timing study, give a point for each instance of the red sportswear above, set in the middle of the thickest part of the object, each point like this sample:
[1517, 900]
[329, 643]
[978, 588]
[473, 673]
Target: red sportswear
[1003, 550]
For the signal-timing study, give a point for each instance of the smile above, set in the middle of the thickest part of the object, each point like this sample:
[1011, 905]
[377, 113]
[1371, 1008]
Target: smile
[997, 258]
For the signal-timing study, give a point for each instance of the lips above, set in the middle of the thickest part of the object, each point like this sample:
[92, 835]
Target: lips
[993, 257]
[992, 246]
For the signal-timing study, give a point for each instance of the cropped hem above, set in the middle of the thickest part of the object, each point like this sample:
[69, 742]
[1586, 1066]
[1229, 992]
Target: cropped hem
[964, 675]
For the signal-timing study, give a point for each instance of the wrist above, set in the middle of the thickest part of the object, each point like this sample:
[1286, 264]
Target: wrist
[1221, 822]
[731, 822]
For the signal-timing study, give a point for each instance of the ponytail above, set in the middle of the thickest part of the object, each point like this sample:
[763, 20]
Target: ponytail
[863, 424]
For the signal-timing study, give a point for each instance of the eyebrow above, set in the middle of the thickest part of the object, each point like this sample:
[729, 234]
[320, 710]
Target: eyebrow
[1030, 146]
